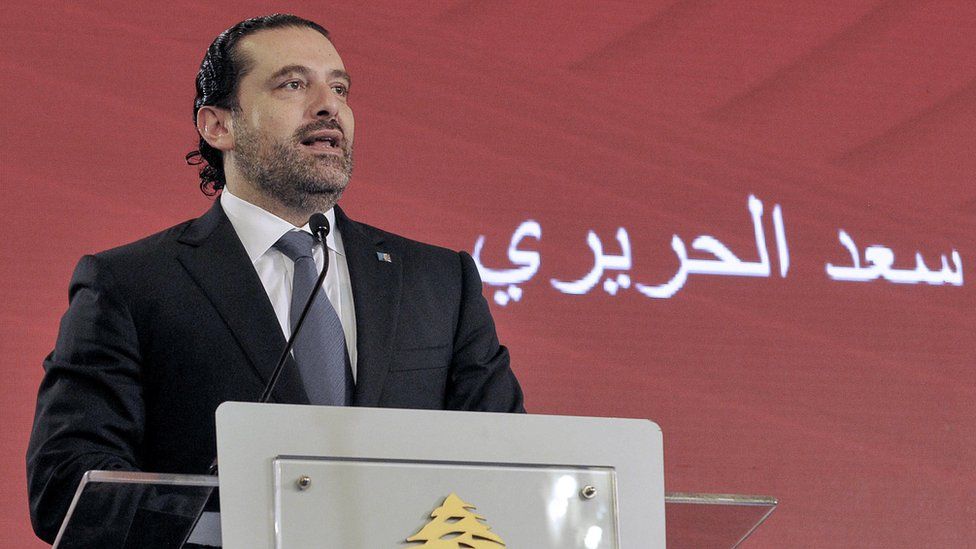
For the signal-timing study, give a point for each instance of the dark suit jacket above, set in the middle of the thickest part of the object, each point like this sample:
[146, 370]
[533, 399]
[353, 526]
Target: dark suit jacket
[158, 333]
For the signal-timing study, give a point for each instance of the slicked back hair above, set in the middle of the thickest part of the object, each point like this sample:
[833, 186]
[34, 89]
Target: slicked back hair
[217, 81]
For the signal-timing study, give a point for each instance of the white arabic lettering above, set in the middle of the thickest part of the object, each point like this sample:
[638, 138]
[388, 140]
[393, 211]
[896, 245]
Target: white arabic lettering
[601, 263]
[527, 260]
[879, 261]
[727, 264]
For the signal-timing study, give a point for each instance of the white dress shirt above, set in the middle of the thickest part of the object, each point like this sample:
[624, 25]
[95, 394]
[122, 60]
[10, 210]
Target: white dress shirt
[258, 230]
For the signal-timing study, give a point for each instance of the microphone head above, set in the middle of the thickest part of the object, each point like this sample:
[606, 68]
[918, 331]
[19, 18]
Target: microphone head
[319, 225]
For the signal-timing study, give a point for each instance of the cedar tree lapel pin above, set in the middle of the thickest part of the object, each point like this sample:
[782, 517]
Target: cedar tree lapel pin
[383, 256]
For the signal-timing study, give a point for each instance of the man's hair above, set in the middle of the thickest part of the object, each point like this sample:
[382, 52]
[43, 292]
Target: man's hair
[220, 71]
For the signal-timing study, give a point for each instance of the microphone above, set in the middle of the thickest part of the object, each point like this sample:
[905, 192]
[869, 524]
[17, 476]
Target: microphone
[319, 225]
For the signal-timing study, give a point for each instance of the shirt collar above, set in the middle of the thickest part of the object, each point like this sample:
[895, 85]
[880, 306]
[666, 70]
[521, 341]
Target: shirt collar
[259, 229]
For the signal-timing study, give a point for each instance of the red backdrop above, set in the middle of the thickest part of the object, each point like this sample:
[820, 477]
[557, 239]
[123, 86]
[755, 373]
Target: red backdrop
[853, 402]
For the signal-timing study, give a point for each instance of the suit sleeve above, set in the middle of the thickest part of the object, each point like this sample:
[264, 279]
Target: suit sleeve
[482, 378]
[90, 412]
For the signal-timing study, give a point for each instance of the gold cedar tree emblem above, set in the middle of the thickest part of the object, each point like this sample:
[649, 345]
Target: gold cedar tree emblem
[454, 526]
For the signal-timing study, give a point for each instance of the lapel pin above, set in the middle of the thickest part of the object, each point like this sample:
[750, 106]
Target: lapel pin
[383, 256]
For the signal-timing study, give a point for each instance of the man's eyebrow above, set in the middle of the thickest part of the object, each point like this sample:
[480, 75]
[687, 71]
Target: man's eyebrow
[338, 73]
[290, 69]
[305, 71]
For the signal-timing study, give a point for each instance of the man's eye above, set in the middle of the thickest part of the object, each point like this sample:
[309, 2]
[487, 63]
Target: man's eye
[341, 90]
[293, 85]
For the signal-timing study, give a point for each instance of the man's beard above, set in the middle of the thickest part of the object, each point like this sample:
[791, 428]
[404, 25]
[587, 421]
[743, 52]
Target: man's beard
[300, 182]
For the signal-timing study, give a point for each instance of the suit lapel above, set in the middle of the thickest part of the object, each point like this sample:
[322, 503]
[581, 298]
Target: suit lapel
[376, 299]
[216, 259]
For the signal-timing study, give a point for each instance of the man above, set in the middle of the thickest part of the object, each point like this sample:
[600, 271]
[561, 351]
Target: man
[159, 332]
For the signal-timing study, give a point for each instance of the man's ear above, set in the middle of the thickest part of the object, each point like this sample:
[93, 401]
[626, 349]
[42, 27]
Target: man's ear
[216, 127]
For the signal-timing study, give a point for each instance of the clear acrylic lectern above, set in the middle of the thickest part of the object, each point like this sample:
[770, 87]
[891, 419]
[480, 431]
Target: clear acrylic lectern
[121, 509]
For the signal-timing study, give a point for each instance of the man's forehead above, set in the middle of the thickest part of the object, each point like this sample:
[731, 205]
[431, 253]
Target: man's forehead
[268, 50]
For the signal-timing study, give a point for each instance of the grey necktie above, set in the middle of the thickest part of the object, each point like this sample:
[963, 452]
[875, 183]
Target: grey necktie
[320, 349]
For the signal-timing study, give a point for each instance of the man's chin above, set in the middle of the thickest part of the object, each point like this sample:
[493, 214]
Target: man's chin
[331, 170]
[317, 201]
[325, 190]
[330, 182]
[322, 194]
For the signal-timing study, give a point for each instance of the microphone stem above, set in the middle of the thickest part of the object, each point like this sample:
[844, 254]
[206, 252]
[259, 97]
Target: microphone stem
[283, 359]
[320, 231]
[273, 380]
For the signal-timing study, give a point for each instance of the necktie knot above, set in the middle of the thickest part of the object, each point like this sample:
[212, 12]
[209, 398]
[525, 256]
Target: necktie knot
[295, 244]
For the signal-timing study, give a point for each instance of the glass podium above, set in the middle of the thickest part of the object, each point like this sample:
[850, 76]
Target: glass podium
[696, 521]
[131, 510]
[159, 511]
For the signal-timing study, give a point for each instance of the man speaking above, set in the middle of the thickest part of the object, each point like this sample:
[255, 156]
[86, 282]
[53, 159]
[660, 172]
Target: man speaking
[159, 332]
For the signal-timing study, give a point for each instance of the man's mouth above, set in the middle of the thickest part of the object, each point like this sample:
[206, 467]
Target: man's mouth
[324, 141]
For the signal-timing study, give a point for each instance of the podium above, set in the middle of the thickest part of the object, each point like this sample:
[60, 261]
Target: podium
[311, 476]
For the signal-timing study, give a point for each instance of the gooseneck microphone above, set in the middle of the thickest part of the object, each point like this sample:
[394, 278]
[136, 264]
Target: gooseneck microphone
[319, 225]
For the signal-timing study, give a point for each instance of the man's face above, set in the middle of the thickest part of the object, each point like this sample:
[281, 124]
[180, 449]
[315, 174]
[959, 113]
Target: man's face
[293, 132]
